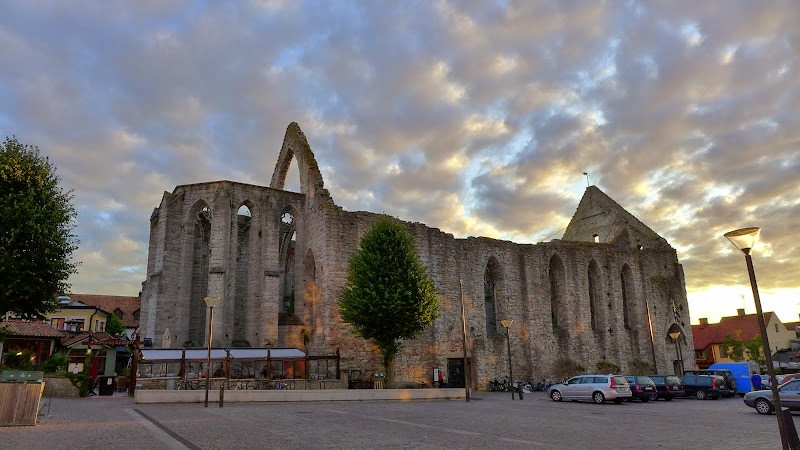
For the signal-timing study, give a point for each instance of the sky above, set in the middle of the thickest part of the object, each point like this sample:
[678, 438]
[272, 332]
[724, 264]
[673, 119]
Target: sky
[476, 117]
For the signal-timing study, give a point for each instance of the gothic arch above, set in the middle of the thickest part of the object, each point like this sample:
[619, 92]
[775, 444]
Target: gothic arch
[628, 294]
[296, 146]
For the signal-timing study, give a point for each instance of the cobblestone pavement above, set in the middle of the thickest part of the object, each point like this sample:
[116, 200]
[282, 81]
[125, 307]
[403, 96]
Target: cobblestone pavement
[490, 421]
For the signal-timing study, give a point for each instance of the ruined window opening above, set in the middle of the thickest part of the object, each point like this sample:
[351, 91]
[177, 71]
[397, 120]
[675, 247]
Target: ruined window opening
[287, 219]
[491, 277]
[625, 280]
[596, 238]
[557, 286]
[288, 241]
[593, 283]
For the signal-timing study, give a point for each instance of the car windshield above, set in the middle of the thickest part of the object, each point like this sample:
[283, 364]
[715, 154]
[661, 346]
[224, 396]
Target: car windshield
[644, 380]
[674, 381]
[620, 380]
[659, 380]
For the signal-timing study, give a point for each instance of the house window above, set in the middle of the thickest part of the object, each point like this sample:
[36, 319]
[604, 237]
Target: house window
[118, 313]
[74, 325]
[57, 323]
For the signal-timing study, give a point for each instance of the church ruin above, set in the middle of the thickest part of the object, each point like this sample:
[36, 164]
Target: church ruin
[610, 290]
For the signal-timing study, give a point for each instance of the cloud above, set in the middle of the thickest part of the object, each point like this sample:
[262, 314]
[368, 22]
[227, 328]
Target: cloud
[474, 117]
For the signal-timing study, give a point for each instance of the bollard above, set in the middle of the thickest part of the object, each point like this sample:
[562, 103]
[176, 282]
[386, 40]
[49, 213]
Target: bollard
[789, 430]
[221, 394]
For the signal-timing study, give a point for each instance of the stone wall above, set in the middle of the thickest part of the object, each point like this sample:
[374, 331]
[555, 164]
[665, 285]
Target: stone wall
[59, 386]
[628, 268]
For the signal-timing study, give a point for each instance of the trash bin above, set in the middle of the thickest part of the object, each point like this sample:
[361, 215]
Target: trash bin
[106, 385]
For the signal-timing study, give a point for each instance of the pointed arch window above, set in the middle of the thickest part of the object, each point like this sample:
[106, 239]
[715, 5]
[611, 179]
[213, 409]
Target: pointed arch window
[626, 280]
[491, 278]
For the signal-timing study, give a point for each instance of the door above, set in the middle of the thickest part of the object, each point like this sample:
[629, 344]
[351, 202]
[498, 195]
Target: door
[455, 372]
[572, 388]
[790, 394]
[93, 370]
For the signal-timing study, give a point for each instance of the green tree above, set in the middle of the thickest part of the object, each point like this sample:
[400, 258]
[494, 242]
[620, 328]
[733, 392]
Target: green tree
[114, 325]
[389, 295]
[36, 240]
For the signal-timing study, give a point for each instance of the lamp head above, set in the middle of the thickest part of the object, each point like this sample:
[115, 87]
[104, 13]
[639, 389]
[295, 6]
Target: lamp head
[507, 323]
[744, 239]
[212, 302]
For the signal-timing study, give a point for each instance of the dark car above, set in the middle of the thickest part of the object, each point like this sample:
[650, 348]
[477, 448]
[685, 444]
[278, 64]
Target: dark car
[704, 386]
[668, 386]
[730, 379]
[642, 388]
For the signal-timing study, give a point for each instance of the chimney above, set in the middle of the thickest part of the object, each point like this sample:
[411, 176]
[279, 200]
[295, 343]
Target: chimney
[703, 321]
[740, 311]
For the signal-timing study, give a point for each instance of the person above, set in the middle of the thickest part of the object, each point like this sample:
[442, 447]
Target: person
[756, 380]
[441, 379]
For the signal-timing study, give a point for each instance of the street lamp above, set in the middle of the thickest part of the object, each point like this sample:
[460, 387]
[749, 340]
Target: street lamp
[675, 335]
[507, 324]
[211, 302]
[744, 239]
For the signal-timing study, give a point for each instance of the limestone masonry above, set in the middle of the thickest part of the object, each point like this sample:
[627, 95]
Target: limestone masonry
[610, 290]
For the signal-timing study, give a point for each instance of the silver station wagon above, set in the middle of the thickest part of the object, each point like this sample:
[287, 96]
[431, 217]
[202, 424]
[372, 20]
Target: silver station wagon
[597, 388]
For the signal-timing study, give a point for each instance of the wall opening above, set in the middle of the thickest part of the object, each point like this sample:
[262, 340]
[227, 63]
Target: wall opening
[557, 292]
[287, 242]
[201, 250]
[244, 220]
[594, 294]
[491, 277]
[626, 280]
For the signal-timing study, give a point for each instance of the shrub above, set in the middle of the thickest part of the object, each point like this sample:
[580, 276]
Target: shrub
[607, 367]
[639, 367]
[20, 359]
[566, 367]
[55, 364]
[81, 379]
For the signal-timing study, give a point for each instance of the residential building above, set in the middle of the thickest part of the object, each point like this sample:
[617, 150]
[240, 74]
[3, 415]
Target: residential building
[126, 308]
[75, 316]
[708, 338]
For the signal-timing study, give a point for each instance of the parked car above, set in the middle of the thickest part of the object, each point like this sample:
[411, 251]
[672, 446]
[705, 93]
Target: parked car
[704, 386]
[668, 386]
[763, 401]
[742, 373]
[767, 384]
[597, 388]
[642, 388]
[730, 380]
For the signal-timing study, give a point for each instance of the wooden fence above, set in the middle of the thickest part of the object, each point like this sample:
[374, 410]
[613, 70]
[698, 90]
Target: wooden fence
[19, 403]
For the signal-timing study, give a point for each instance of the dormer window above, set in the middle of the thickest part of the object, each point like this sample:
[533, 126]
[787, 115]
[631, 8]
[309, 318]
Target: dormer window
[118, 313]
[136, 315]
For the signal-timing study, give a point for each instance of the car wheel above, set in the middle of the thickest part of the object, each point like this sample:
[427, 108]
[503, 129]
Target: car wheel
[701, 395]
[555, 395]
[763, 406]
[668, 398]
[598, 398]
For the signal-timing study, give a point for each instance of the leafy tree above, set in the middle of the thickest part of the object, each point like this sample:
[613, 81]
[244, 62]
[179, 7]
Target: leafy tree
[19, 359]
[114, 325]
[36, 240]
[389, 295]
[55, 364]
[736, 348]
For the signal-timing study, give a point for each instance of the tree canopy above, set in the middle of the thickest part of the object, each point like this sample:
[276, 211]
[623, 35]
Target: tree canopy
[114, 325]
[36, 240]
[389, 295]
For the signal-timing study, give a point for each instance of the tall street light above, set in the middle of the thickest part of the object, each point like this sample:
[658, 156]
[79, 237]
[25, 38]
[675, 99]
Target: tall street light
[507, 324]
[744, 239]
[675, 335]
[211, 302]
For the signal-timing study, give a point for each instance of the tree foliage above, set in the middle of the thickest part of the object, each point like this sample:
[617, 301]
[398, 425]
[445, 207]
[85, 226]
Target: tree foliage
[389, 295]
[736, 348]
[36, 240]
[114, 325]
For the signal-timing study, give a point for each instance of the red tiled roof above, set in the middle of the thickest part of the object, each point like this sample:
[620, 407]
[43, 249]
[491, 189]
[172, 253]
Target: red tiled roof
[739, 327]
[29, 328]
[128, 305]
[791, 325]
[75, 338]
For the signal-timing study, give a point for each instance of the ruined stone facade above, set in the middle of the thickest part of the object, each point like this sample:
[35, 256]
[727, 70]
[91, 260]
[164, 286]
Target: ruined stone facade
[611, 289]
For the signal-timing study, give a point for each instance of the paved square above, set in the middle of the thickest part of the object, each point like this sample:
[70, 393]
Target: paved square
[491, 421]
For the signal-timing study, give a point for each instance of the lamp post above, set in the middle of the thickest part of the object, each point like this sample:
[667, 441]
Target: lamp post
[744, 239]
[507, 324]
[211, 302]
[675, 335]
